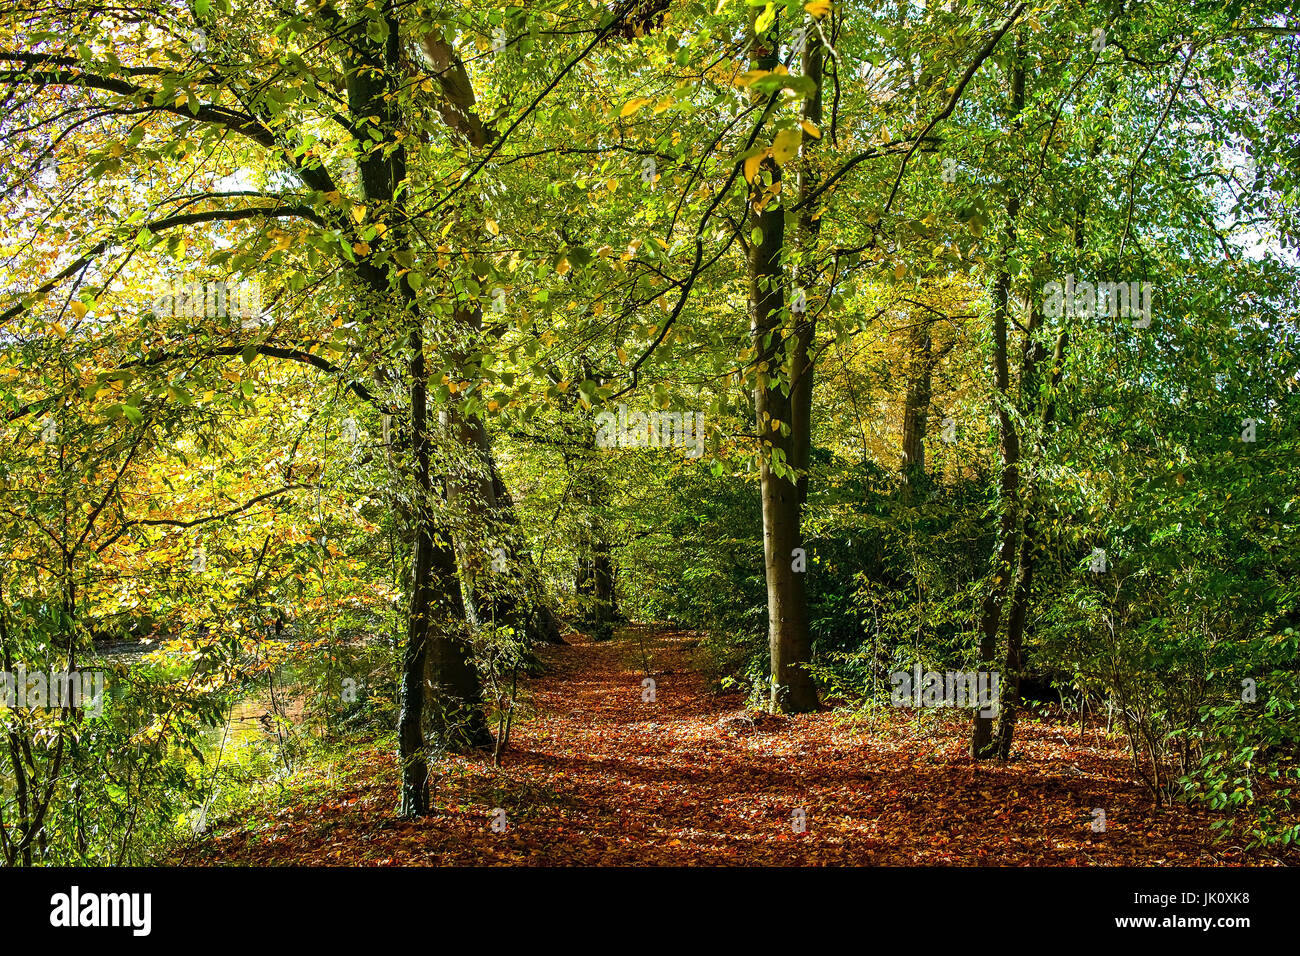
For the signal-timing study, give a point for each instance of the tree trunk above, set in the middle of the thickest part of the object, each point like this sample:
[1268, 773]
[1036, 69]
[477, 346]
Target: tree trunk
[916, 406]
[783, 440]
[1009, 460]
[481, 494]
[594, 574]
[1008, 494]
[1013, 670]
[437, 657]
[1014, 661]
[440, 692]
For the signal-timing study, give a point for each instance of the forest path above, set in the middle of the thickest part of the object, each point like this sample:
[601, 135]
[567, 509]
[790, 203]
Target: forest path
[595, 775]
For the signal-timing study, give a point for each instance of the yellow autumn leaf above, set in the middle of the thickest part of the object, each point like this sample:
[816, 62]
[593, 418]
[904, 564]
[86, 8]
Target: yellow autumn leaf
[809, 127]
[492, 227]
[358, 212]
[900, 270]
[562, 266]
[631, 106]
[786, 145]
[78, 308]
[752, 164]
[818, 8]
[361, 248]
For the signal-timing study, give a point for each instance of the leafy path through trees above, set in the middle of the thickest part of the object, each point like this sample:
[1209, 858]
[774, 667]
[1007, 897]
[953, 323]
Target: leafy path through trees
[595, 775]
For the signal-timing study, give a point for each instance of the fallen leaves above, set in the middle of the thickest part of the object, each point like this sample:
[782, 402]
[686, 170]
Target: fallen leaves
[600, 777]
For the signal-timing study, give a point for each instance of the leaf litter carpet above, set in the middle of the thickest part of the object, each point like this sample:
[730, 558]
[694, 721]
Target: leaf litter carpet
[597, 775]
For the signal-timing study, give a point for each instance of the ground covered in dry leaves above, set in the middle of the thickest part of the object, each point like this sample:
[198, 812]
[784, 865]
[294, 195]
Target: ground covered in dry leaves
[595, 775]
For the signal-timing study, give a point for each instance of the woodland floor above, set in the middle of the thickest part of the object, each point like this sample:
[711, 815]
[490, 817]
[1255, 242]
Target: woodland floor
[595, 776]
